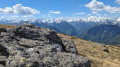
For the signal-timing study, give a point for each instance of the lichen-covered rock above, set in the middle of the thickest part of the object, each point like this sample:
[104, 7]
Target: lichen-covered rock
[30, 46]
[70, 46]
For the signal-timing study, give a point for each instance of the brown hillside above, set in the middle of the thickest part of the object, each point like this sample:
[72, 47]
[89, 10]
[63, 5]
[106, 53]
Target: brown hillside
[95, 52]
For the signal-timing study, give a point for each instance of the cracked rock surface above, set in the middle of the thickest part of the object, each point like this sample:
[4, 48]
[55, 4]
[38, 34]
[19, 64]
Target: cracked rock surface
[30, 46]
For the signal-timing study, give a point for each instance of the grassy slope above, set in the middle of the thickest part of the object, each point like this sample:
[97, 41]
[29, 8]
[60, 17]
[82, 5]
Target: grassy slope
[93, 51]
[6, 26]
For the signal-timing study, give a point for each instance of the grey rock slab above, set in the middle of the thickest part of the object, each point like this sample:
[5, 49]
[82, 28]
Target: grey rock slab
[30, 46]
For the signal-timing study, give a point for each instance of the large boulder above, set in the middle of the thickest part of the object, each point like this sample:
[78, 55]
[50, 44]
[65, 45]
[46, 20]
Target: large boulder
[30, 46]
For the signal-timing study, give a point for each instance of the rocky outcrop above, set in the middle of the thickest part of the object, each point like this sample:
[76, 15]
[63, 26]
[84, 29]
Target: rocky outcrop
[30, 46]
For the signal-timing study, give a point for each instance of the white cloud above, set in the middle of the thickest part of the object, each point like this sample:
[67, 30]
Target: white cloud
[105, 14]
[54, 12]
[94, 12]
[15, 16]
[89, 14]
[3, 16]
[94, 5]
[48, 15]
[27, 16]
[81, 5]
[19, 9]
[79, 13]
[99, 14]
[118, 1]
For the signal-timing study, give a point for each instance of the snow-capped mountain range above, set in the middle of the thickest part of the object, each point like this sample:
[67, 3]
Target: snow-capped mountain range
[58, 20]
[71, 26]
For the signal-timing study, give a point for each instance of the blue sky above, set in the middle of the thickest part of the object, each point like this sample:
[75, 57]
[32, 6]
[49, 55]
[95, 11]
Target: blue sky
[58, 8]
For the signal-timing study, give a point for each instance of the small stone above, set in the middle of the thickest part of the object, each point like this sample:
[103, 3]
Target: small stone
[106, 49]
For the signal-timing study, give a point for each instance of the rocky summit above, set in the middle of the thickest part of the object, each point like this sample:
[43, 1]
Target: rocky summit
[30, 46]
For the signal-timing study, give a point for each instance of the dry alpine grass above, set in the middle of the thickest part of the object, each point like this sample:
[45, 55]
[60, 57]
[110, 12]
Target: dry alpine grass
[6, 26]
[95, 52]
